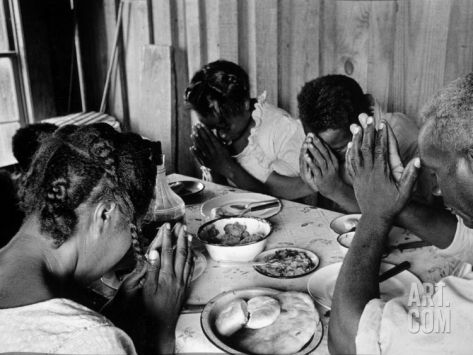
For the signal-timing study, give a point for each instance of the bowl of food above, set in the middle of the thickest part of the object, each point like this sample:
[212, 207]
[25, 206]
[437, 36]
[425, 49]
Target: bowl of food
[260, 320]
[344, 241]
[285, 263]
[234, 238]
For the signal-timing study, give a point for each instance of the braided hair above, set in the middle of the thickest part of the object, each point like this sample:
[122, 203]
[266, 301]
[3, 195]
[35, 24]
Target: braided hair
[331, 102]
[26, 141]
[87, 164]
[219, 89]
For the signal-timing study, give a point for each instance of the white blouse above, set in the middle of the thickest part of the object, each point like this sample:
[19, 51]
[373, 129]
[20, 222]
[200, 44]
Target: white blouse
[60, 326]
[274, 143]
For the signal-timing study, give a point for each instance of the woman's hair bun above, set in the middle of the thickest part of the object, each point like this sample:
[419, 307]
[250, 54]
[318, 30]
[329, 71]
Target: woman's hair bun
[220, 84]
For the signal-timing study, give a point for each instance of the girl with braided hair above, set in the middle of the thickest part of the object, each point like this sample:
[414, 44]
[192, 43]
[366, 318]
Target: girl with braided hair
[84, 196]
[247, 142]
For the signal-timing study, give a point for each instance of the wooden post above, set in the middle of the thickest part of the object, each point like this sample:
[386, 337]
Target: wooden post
[80, 68]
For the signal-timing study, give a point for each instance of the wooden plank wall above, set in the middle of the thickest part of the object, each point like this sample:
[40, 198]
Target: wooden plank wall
[401, 51]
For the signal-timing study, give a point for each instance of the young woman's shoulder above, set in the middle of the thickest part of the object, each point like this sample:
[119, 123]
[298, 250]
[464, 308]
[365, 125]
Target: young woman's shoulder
[273, 118]
[60, 326]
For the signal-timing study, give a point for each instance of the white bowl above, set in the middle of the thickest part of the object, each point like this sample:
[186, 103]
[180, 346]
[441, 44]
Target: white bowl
[345, 223]
[344, 241]
[244, 252]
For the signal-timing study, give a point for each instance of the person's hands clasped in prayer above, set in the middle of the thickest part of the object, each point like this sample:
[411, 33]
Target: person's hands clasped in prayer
[210, 151]
[156, 290]
[320, 167]
[381, 188]
[167, 280]
[381, 197]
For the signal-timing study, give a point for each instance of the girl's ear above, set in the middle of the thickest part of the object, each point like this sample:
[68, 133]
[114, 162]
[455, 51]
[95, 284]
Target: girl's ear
[103, 216]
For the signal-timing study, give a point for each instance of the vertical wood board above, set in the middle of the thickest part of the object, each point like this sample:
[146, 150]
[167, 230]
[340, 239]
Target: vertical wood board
[155, 112]
[228, 30]
[298, 49]
[266, 29]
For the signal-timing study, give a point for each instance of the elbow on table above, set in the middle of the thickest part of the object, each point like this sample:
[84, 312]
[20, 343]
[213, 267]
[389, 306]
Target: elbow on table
[292, 189]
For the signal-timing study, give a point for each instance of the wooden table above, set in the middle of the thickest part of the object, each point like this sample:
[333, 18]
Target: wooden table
[296, 225]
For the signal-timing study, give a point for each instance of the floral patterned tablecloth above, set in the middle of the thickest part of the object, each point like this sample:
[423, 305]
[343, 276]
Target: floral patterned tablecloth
[296, 225]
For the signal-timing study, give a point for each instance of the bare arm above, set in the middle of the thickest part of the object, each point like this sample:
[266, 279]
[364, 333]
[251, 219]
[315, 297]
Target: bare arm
[357, 283]
[380, 198]
[433, 225]
[125, 309]
[277, 185]
[344, 196]
[287, 187]
[211, 153]
[241, 178]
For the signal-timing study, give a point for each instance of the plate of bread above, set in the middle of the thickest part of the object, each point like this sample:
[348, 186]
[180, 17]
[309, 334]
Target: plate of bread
[262, 321]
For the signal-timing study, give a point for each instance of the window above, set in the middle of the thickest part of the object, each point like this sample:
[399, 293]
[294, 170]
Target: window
[14, 98]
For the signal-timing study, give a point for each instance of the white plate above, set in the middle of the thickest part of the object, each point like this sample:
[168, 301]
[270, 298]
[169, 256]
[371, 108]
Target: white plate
[322, 284]
[209, 206]
[216, 305]
[345, 223]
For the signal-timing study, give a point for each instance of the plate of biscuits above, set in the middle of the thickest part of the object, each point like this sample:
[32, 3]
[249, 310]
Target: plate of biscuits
[262, 321]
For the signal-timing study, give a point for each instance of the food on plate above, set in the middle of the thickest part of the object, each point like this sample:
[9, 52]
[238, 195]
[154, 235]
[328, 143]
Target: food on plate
[232, 318]
[226, 211]
[235, 234]
[262, 311]
[286, 333]
[293, 328]
[286, 263]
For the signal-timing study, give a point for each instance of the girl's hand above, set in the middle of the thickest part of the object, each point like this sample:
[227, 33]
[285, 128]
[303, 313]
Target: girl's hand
[130, 286]
[168, 276]
[210, 152]
[125, 309]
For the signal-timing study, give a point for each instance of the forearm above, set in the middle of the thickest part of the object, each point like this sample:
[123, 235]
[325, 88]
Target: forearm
[241, 178]
[437, 226]
[357, 283]
[287, 187]
[130, 318]
[160, 338]
[344, 196]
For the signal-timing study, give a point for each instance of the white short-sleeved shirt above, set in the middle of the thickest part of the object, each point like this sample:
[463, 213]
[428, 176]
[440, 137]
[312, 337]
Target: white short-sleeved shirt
[404, 326]
[274, 143]
[462, 244]
[60, 326]
[445, 326]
